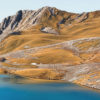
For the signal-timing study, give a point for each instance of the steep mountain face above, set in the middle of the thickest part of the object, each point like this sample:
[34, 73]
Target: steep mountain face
[46, 16]
[52, 39]
[28, 18]
[25, 19]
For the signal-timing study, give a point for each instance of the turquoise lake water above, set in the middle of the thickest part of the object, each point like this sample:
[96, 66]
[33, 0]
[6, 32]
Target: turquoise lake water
[10, 89]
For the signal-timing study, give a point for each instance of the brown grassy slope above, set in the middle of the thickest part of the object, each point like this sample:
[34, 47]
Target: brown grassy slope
[69, 29]
[33, 37]
[56, 56]
[38, 73]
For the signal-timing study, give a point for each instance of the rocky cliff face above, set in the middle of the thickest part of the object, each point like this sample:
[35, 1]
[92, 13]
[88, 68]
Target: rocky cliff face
[25, 19]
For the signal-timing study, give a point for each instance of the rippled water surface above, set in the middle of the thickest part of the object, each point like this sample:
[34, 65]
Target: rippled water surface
[11, 88]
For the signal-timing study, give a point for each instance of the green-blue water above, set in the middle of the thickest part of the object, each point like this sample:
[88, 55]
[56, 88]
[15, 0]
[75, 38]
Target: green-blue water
[11, 90]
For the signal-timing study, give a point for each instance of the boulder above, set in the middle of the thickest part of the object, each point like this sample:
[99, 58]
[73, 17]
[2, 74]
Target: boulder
[49, 30]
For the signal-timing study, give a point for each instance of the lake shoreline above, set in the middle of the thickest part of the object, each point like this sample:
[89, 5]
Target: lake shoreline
[43, 90]
[40, 80]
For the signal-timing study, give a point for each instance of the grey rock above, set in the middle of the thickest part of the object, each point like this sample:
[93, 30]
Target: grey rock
[49, 30]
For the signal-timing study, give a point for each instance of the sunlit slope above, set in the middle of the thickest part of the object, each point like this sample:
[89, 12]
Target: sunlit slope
[69, 26]
[33, 37]
[74, 52]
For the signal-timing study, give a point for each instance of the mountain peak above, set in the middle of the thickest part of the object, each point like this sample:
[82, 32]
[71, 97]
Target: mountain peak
[24, 19]
[46, 17]
[48, 7]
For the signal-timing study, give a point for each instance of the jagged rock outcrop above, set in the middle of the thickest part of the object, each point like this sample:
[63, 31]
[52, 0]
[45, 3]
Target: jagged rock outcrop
[24, 19]
[81, 17]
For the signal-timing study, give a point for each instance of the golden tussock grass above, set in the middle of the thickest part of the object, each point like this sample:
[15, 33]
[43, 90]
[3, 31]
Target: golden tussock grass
[39, 73]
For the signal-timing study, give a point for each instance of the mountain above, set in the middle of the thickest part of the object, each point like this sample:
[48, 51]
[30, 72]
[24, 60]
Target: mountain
[52, 44]
[26, 19]
[45, 17]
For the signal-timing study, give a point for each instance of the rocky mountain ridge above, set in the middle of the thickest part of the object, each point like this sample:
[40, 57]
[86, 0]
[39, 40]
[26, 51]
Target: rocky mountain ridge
[25, 19]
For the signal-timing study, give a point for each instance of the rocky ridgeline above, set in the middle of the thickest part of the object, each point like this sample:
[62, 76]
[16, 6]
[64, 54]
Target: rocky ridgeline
[25, 19]
[21, 21]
